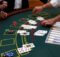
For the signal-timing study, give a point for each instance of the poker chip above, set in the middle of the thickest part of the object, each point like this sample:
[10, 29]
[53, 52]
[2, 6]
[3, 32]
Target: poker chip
[9, 54]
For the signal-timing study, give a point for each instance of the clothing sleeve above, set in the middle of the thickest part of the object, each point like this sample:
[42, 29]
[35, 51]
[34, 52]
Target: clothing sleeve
[54, 3]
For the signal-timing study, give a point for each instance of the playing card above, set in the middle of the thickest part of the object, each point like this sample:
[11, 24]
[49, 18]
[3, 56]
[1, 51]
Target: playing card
[26, 33]
[32, 22]
[53, 36]
[20, 50]
[26, 49]
[21, 31]
[30, 45]
[23, 50]
[40, 18]
[40, 33]
[28, 26]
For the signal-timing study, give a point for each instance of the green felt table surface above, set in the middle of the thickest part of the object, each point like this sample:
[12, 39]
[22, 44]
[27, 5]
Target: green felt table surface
[10, 43]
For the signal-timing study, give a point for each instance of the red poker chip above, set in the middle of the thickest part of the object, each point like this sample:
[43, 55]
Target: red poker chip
[14, 23]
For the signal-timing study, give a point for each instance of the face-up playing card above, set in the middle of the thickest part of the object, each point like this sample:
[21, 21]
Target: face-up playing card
[23, 32]
[26, 49]
[28, 26]
[20, 50]
[32, 22]
[40, 18]
[40, 33]
[23, 50]
[26, 33]
[30, 45]
[53, 36]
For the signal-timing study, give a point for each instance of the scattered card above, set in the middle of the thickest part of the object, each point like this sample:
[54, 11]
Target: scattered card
[23, 32]
[53, 36]
[20, 50]
[40, 33]
[30, 45]
[28, 26]
[32, 22]
[26, 33]
[23, 50]
[40, 18]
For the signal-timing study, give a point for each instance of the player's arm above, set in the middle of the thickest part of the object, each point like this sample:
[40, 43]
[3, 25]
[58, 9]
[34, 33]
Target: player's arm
[48, 5]
[51, 21]
[57, 18]
[40, 8]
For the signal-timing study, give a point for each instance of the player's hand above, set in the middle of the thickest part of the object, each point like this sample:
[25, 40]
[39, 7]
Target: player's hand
[37, 9]
[48, 22]
[3, 15]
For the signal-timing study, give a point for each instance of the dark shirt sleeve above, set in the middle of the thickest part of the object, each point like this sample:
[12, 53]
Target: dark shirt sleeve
[44, 1]
[10, 5]
[25, 4]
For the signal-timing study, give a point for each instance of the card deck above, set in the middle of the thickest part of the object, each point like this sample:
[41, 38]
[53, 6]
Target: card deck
[53, 36]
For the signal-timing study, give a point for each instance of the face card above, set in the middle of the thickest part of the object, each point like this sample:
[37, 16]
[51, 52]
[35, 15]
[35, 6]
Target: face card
[53, 36]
